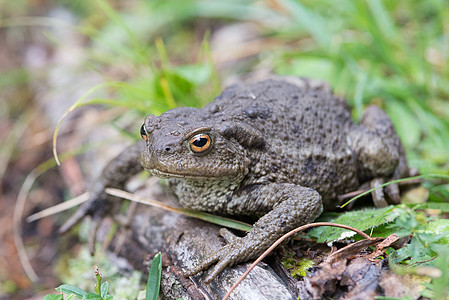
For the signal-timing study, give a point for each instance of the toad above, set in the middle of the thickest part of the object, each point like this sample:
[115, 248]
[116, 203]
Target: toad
[281, 150]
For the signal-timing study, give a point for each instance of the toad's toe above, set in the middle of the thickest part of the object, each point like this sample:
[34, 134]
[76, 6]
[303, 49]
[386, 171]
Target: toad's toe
[378, 194]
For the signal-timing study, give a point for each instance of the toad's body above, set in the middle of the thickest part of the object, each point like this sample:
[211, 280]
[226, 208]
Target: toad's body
[279, 149]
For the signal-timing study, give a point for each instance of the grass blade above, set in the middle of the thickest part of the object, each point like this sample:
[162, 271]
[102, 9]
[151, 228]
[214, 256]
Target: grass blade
[154, 278]
[225, 222]
[311, 21]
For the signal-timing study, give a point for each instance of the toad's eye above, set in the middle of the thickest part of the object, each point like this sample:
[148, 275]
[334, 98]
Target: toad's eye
[200, 143]
[143, 132]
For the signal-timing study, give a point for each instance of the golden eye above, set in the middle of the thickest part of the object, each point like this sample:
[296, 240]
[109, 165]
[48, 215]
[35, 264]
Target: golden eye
[143, 132]
[200, 143]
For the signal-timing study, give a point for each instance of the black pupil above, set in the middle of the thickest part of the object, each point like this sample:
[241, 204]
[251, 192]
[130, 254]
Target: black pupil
[200, 142]
[142, 130]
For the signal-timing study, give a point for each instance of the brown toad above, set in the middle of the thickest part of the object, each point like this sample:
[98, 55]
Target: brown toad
[280, 149]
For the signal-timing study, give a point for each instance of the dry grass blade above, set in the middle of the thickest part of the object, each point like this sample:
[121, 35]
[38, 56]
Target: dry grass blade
[58, 208]
[17, 228]
[78, 103]
[184, 211]
[352, 249]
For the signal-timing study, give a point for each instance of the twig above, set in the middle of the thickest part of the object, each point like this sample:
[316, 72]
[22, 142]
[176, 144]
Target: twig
[281, 239]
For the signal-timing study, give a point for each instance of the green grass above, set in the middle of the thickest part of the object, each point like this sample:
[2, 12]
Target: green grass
[390, 53]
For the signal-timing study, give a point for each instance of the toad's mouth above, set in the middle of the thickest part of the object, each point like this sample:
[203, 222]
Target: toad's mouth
[168, 175]
[191, 169]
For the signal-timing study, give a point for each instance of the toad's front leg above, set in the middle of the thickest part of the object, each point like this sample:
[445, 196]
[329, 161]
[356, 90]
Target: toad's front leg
[291, 206]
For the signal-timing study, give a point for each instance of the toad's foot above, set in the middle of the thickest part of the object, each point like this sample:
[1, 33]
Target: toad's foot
[237, 250]
[392, 190]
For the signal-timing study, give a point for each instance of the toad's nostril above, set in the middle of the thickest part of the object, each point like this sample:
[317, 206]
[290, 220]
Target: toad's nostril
[167, 148]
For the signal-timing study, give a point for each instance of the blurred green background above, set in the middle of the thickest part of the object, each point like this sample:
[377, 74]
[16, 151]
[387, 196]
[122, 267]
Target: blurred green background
[127, 59]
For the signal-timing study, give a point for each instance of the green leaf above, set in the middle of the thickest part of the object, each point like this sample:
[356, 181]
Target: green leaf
[439, 228]
[53, 297]
[108, 297]
[392, 298]
[397, 256]
[439, 284]
[92, 296]
[419, 252]
[154, 278]
[71, 290]
[361, 219]
[104, 289]
[384, 230]
[198, 74]
[443, 206]
[308, 66]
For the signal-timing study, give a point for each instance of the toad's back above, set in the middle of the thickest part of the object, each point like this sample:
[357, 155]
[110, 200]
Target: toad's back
[306, 133]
